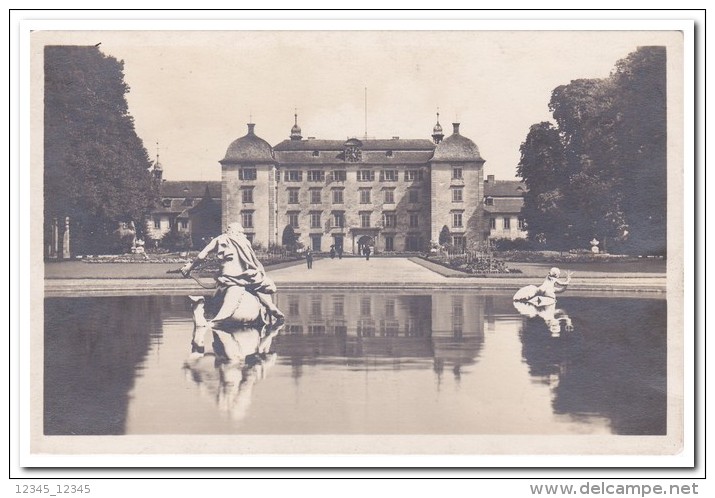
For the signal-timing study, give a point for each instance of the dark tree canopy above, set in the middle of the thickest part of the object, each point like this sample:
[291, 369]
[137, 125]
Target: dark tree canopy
[289, 238]
[601, 171]
[444, 236]
[96, 167]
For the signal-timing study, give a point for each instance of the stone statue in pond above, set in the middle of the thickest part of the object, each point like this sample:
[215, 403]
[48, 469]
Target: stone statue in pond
[244, 291]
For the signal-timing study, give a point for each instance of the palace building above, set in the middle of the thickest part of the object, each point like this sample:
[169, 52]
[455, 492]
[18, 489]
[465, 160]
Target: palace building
[390, 194]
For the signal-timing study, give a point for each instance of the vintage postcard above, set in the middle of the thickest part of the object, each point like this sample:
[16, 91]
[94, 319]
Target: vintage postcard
[408, 240]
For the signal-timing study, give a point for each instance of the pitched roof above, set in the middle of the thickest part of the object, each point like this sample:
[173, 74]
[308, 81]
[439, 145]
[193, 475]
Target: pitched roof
[367, 144]
[505, 205]
[504, 188]
[369, 157]
[193, 189]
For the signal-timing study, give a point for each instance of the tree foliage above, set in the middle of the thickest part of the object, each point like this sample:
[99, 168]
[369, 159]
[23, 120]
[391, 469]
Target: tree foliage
[95, 165]
[289, 238]
[601, 170]
[444, 236]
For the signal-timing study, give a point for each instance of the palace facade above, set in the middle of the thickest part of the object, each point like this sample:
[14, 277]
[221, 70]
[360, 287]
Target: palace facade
[390, 194]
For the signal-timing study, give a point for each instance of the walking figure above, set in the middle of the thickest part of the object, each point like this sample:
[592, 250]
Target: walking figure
[367, 253]
[309, 258]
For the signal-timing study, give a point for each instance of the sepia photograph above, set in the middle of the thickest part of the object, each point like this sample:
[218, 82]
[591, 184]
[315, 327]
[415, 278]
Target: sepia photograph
[409, 240]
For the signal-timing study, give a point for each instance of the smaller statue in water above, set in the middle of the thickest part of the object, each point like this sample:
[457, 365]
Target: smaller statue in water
[244, 291]
[546, 292]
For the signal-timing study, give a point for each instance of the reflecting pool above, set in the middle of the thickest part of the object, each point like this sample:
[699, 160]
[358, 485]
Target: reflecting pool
[359, 363]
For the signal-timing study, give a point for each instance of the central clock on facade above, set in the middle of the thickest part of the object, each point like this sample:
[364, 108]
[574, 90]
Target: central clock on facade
[353, 154]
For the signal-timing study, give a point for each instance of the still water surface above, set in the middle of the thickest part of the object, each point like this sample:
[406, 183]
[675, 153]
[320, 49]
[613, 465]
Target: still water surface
[359, 363]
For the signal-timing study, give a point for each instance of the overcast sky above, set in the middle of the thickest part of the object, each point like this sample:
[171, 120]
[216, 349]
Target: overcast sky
[194, 91]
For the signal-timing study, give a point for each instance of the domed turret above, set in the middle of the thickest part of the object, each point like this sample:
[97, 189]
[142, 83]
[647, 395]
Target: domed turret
[249, 149]
[456, 148]
[437, 134]
[295, 131]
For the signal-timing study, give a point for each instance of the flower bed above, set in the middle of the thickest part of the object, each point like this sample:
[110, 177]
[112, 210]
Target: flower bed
[472, 264]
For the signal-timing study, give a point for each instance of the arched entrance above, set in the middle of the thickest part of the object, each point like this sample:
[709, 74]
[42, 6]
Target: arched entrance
[366, 241]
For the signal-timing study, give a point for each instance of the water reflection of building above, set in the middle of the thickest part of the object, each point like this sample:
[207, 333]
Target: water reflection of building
[446, 328]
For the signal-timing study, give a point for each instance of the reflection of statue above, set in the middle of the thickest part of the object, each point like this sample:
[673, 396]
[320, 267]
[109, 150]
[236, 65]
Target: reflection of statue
[556, 319]
[545, 293]
[242, 283]
[241, 357]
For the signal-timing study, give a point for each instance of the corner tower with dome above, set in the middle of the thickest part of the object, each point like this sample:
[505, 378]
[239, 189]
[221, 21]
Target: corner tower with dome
[457, 178]
[248, 195]
[393, 195]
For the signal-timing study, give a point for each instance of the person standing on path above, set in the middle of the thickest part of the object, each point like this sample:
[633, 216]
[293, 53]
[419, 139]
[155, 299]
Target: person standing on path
[367, 253]
[309, 259]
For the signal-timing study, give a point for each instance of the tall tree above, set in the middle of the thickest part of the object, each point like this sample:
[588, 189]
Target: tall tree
[543, 169]
[96, 168]
[641, 86]
[601, 172]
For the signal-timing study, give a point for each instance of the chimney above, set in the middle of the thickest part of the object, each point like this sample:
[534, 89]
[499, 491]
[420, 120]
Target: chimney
[251, 126]
[490, 178]
[456, 128]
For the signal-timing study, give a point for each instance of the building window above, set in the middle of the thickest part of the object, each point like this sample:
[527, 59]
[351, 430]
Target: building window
[339, 219]
[250, 237]
[166, 203]
[293, 219]
[457, 195]
[339, 175]
[315, 220]
[294, 305]
[489, 201]
[414, 196]
[157, 223]
[364, 196]
[339, 305]
[316, 176]
[507, 223]
[337, 196]
[388, 175]
[315, 242]
[247, 174]
[293, 196]
[365, 306]
[365, 175]
[315, 196]
[457, 220]
[389, 196]
[521, 223]
[294, 175]
[247, 195]
[414, 220]
[456, 173]
[388, 153]
[247, 219]
[316, 153]
[389, 243]
[389, 220]
[459, 242]
[183, 224]
[365, 220]
[412, 175]
[493, 223]
[316, 306]
[413, 243]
